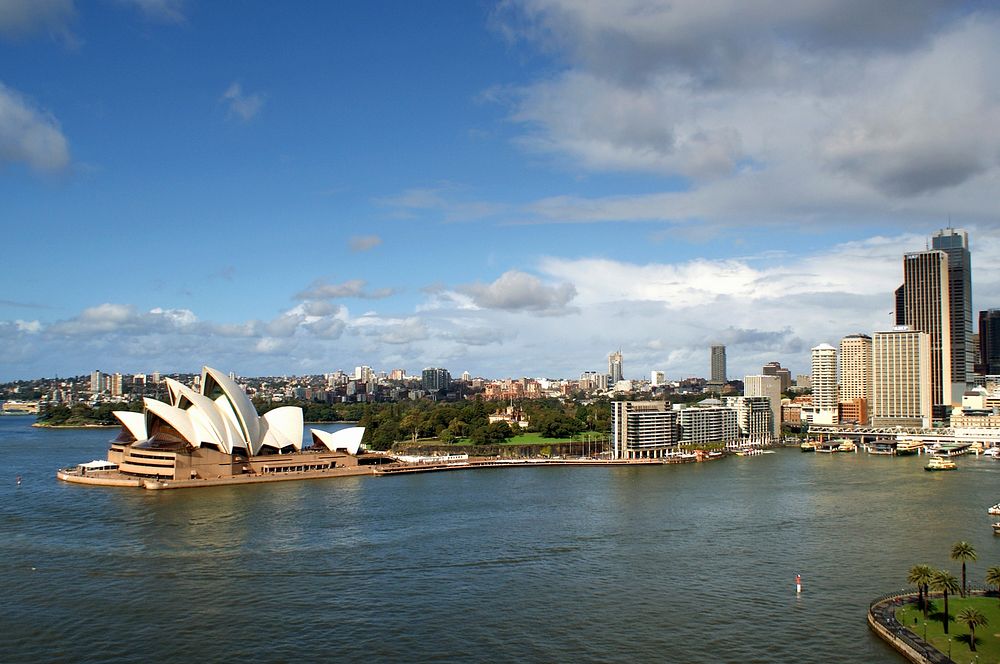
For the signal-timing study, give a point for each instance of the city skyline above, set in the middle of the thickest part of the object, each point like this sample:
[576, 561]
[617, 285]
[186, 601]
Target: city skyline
[480, 187]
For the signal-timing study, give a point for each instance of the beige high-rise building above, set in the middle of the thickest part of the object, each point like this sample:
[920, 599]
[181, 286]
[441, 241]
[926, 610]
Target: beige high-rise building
[901, 378]
[770, 387]
[856, 368]
[926, 301]
[824, 384]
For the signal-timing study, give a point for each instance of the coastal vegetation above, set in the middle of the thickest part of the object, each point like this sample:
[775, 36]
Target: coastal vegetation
[450, 423]
[970, 610]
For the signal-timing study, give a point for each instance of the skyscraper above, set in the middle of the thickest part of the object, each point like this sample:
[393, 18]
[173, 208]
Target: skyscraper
[615, 367]
[856, 368]
[926, 297]
[775, 369]
[989, 342]
[643, 429]
[718, 363]
[435, 379]
[770, 387]
[824, 384]
[955, 243]
[901, 372]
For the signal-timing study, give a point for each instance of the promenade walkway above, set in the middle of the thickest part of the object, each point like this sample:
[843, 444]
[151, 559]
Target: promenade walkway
[882, 620]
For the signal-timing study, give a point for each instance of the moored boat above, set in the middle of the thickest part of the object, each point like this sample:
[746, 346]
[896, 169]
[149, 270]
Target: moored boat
[847, 446]
[808, 446]
[905, 447]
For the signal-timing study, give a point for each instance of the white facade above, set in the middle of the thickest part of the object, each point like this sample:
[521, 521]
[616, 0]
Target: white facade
[702, 425]
[657, 378]
[643, 429]
[824, 384]
[901, 378]
[770, 387]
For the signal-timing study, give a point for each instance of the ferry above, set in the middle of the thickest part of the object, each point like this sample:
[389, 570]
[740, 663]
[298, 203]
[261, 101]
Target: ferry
[906, 447]
[847, 446]
[940, 463]
[808, 446]
[992, 452]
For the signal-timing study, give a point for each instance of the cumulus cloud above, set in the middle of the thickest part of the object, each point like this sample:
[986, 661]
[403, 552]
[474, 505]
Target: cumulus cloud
[361, 243]
[820, 111]
[23, 17]
[29, 134]
[353, 288]
[519, 291]
[242, 105]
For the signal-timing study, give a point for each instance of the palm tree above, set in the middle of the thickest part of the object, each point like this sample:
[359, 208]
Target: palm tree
[973, 618]
[921, 576]
[993, 577]
[963, 551]
[945, 582]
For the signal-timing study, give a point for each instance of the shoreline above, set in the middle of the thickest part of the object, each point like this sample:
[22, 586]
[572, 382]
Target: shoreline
[42, 425]
[117, 479]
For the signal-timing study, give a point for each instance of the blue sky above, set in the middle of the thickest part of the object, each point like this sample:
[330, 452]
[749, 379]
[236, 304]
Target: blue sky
[512, 188]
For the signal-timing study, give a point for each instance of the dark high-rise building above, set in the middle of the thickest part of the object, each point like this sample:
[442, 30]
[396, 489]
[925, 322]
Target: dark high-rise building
[925, 275]
[900, 312]
[718, 363]
[955, 243]
[434, 379]
[989, 342]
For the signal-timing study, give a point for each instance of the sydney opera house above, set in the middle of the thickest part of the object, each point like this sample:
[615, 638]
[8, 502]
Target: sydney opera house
[215, 433]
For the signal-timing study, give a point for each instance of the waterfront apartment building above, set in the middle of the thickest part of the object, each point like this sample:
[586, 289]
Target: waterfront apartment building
[643, 429]
[718, 364]
[825, 399]
[926, 299]
[754, 417]
[901, 378]
[955, 243]
[615, 367]
[769, 387]
[709, 423]
[856, 369]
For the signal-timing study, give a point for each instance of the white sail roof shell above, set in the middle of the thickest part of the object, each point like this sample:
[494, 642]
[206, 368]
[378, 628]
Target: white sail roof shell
[242, 407]
[348, 439]
[229, 421]
[282, 427]
[135, 423]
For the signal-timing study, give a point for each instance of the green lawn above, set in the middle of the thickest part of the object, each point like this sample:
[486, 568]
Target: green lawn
[534, 438]
[987, 636]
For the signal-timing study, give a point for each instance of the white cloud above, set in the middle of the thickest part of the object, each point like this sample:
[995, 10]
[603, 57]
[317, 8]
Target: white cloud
[361, 243]
[24, 17]
[320, 289]
[814, 112]
[29, 134]
[165, 11]
[245, 106]
[518, 291]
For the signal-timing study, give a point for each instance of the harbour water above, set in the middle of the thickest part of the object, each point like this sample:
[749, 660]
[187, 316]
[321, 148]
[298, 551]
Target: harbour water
[690, 563]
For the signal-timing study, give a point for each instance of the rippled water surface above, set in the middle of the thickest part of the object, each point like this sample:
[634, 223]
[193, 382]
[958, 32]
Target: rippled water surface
[692, 563]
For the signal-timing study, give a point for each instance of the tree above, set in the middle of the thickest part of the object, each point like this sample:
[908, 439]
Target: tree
[921, 576]
[993, 577]
[972, 618]
[963, 551]
[945, 582]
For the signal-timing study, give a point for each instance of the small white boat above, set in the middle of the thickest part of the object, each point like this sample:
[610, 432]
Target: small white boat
[995, 510]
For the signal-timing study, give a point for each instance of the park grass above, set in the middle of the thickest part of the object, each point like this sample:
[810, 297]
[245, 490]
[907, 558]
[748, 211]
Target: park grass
[535, 438]
[987, 636]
